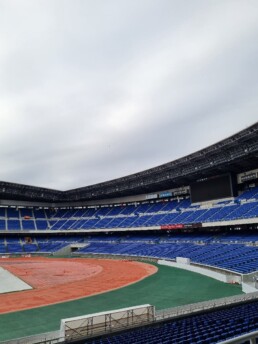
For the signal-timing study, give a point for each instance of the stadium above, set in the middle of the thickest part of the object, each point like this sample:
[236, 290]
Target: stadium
[167, 255]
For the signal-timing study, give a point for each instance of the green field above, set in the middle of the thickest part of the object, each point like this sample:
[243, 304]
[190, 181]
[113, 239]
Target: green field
[169, 287]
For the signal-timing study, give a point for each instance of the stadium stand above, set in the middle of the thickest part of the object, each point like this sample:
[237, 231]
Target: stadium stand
[238, 258]
[212, 327]
[143, 215]
[153, 214]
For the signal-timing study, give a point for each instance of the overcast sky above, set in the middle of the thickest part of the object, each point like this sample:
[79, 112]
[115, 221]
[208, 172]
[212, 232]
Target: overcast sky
[92, 90]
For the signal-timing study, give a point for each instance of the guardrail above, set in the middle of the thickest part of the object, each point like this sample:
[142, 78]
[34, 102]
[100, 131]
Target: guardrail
[204, 305]
[251, 337]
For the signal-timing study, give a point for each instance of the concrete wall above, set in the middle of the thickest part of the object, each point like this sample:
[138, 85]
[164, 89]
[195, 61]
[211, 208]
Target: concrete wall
[248, 288]
[223, 277]
[65, 251]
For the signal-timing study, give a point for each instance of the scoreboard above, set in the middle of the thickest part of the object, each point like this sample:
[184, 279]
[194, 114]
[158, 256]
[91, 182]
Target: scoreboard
[212, 188]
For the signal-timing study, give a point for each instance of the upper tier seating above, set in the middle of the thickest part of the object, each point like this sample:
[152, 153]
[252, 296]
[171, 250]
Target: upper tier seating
[131, 216]
[41, 224]
[156, 214]
[39, 213]
[13, 224]
[2, 225]
[26, 212]
[12, 213]
[28, 224]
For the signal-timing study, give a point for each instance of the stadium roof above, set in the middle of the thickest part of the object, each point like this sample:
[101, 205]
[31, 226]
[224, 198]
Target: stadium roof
[236, 154]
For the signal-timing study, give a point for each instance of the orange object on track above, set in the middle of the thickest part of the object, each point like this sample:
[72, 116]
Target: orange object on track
[62, 279]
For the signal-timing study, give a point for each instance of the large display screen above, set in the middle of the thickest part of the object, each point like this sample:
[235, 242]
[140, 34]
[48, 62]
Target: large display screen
[211, 188]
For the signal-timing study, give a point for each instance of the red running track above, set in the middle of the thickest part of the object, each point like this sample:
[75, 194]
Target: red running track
[57, 280]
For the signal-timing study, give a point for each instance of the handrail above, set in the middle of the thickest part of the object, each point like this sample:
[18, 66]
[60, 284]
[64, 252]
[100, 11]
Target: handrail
[204, 305]
[240, 339]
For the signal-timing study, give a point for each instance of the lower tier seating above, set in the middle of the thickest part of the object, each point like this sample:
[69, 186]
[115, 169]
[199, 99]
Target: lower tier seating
[238, 257]
[207, 328]
[205, 249]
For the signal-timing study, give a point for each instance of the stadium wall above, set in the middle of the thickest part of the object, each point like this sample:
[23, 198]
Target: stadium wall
[247, 288]
[223, 277]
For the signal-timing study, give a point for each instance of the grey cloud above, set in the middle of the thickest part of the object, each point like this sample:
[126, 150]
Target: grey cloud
[94, 90]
